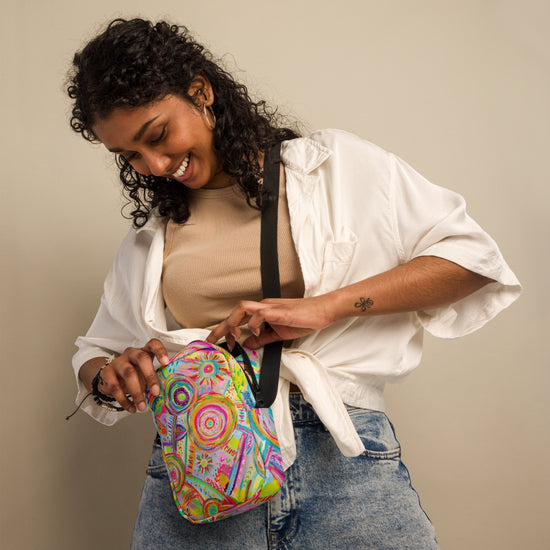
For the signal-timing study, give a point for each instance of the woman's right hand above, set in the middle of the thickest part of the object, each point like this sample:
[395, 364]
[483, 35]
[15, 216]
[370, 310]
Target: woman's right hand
[129, 374]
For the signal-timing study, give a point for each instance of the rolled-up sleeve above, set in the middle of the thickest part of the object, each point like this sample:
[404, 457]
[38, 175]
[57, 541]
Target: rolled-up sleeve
[107, 336]
[116, 325]
[432, 221]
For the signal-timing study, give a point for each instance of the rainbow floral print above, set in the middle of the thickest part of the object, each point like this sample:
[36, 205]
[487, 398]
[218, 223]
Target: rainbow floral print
[221, 453]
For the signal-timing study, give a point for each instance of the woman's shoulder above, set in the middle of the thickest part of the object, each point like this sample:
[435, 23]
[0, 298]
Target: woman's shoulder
[138, 240]
[334, 144]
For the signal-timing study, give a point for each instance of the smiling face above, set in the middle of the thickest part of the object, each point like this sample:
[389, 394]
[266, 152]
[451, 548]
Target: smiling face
[168, 138]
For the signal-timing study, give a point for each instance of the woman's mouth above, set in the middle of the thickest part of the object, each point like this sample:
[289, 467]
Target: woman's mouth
[183, 167]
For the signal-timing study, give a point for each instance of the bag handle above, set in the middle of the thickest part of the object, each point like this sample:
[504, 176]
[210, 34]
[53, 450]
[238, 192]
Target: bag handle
[271, 286]
[247, 368]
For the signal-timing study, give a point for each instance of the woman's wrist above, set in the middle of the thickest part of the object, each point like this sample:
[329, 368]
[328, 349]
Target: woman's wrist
[348, 302]
[97, 381]
[100, 398]
[90, 369]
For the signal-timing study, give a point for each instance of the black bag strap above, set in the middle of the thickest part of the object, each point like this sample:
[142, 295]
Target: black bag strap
[271, 286]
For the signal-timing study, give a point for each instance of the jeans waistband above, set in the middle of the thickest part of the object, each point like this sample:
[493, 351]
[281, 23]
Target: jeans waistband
[300, 409]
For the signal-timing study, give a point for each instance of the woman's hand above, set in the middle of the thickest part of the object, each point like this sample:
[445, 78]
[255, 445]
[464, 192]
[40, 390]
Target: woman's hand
[287, 318]
[128, 374]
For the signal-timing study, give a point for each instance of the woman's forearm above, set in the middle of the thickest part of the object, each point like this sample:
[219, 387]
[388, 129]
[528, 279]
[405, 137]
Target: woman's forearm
[423, 283]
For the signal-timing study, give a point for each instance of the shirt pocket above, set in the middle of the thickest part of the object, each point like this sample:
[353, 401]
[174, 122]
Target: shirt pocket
[337, 257]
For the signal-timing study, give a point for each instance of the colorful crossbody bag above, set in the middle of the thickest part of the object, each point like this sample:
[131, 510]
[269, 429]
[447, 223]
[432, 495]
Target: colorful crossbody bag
[216, 429]
[221, 452]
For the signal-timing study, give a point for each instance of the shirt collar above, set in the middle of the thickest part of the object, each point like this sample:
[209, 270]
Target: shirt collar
[154, 223]
[303, 154]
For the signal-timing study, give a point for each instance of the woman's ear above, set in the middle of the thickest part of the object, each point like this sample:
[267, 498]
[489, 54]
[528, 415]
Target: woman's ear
[200, 91]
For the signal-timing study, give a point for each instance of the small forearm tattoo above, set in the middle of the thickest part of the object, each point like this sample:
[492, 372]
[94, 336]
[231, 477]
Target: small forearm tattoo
[364, 304]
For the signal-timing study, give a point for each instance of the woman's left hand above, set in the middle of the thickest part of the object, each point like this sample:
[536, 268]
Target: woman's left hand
[287, 318]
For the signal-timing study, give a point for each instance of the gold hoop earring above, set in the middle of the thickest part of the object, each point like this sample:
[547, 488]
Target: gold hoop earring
[209, 116]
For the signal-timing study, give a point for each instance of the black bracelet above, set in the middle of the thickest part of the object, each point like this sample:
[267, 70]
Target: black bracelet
[99, 397]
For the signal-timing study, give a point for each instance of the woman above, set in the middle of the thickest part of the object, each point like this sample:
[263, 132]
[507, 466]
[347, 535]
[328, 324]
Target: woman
[370, 254]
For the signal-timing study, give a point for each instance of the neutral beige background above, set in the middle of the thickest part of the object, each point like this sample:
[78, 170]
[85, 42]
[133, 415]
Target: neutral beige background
[460, 89]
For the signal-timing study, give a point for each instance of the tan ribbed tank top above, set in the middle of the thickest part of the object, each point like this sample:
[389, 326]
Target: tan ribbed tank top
[213, 260]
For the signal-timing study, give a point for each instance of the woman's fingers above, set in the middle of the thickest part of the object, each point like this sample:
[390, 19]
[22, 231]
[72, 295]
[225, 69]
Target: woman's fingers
[288, 319]
[139, 366]
[230, 327]
[245, 312]
[264, 337]
[133, 371]
[156, 349]
[113, 383]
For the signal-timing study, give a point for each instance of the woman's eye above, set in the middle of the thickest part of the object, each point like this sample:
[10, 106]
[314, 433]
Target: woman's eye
[130, 157]
[160, 137]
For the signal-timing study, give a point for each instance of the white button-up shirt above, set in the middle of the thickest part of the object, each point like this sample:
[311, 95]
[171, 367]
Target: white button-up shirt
[355, 211]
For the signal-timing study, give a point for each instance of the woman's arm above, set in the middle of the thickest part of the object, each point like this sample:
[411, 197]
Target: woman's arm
[423, 283]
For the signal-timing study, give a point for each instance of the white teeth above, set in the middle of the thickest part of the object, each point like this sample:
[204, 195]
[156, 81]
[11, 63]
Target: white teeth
[181, 170]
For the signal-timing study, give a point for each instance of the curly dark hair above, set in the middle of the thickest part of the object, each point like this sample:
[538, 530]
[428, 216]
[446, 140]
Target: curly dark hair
[136, 62]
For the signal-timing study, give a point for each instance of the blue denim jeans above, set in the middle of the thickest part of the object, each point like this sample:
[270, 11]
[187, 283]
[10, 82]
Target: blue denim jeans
[328, 501]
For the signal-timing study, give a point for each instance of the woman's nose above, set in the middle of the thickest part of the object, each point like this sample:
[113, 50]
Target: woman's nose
[158, 164]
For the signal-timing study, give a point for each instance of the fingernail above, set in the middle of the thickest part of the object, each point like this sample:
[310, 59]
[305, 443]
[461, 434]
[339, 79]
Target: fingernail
[155, 390]
[142, 406]
[132, 409]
